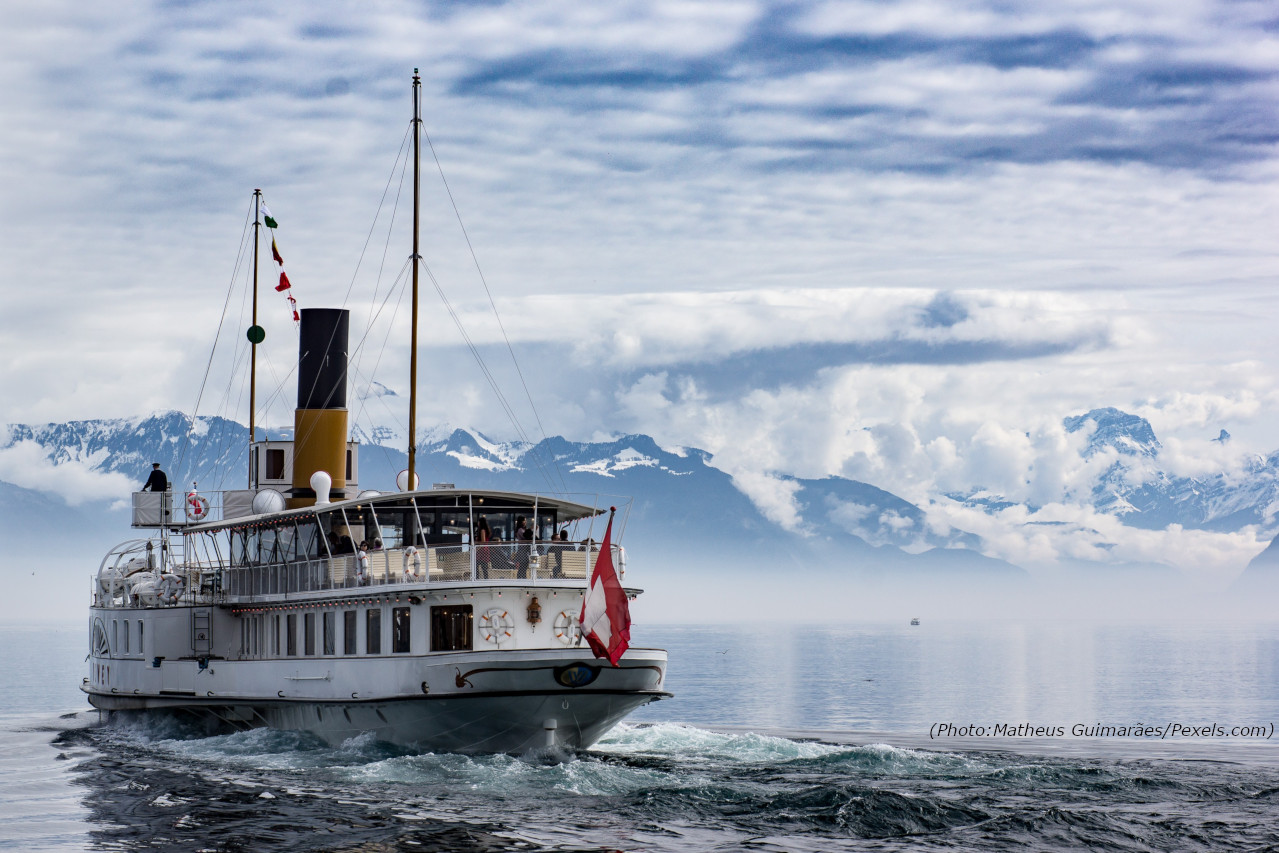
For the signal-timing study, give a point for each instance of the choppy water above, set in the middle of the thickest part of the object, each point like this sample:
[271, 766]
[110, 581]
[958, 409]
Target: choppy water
[871, 779]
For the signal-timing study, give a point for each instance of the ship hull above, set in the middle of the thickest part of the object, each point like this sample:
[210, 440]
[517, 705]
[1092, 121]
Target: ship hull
[510, 702]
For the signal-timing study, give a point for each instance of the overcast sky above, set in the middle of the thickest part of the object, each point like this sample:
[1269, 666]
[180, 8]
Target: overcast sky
[897, 241]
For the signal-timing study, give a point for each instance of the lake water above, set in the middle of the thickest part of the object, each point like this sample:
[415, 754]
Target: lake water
[806, 737]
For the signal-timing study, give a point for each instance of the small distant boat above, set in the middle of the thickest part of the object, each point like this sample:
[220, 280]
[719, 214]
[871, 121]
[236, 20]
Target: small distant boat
[914, 621]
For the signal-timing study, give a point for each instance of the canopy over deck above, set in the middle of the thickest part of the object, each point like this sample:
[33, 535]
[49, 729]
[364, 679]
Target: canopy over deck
[477, 499]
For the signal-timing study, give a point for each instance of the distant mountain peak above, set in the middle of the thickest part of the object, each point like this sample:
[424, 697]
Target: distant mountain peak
[1126, 433]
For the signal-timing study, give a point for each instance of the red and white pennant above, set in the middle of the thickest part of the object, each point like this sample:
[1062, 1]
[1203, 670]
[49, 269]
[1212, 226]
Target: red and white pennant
[285, 286]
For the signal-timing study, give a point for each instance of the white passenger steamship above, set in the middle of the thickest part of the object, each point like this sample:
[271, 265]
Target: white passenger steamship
[255, 607]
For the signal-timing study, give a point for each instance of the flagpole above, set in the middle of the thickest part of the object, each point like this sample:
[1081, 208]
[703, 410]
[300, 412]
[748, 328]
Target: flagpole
[253, 344]
[417, 134]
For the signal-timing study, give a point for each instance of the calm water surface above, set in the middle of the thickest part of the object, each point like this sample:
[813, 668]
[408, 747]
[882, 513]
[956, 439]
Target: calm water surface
[779, 738]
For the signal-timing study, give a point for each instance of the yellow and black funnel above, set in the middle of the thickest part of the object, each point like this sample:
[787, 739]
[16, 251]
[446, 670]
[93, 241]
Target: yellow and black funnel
[319, 423]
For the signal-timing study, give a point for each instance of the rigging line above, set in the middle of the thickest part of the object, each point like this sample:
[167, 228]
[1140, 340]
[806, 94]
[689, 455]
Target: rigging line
[488, 375]
[357, 352]
[385, 338]
[351, 361]
[243, 352]
[382, 447]
[228, 440]
[386, 248]
[279, 388]
[186, 439]
[345, 299]
[381, 202]
[475, 259]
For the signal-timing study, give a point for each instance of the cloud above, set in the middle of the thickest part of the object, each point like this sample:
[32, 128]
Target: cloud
[26, 464]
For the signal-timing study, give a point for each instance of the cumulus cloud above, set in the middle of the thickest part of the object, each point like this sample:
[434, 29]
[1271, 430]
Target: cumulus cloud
[27, 464]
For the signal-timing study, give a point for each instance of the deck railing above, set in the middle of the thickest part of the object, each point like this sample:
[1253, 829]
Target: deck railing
[532, 564]
[526, 564]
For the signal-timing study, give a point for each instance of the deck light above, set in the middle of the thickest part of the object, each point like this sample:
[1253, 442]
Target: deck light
[534, 612]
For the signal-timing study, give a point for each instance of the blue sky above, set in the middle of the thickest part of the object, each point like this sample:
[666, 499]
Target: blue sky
[895, 241]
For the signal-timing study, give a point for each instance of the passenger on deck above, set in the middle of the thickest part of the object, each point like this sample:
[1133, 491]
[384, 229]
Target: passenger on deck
[523, 535]
[362, 564]
[157, 482]
[377, 544]
[555, 552]
[484, 555]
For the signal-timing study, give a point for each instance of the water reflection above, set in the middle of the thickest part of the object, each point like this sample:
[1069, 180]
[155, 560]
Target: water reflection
[903, 678]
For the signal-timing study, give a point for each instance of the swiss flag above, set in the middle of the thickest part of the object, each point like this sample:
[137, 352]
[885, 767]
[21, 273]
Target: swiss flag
[606, 614]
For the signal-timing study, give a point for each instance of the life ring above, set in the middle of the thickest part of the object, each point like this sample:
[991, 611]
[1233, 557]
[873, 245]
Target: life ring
[496, 626]
[567, 629]
[197, 507]
[412, 563]
[171, 587]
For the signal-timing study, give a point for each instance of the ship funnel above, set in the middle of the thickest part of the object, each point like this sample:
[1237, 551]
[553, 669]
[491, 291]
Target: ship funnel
[320, 421]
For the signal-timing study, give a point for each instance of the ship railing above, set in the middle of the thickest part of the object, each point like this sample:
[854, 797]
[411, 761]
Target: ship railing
[135, 577]
[190, 506]
[531, 564]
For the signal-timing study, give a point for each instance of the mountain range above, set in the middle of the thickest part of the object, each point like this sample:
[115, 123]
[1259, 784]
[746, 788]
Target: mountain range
[687, 515]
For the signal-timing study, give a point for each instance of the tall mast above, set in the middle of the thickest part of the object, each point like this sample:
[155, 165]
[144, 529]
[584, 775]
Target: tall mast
[417, 135]
[253, 339]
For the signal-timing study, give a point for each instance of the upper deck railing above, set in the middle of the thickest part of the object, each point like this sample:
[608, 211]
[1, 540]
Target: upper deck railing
[522, 563]
[145, 582]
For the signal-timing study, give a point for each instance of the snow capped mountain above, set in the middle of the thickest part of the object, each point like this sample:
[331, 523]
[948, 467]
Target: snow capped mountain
[1128, 434]
[685, 510]
[1137, 489]
[1146, 496]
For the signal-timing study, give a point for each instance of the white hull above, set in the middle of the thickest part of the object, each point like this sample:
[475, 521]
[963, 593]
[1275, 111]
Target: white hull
[480, 723]
[487, 700]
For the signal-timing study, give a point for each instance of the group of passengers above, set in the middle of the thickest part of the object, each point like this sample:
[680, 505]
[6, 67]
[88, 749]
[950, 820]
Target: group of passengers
[485, 557]
[524, 545]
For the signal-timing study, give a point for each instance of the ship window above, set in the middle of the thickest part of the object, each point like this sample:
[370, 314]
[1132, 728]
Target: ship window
[115, 633]
[291, 637]
[141, 648]
[373, 627]
[275, 463]
[348, 632]
[330, 632]
[308, 633]
[126, 636]
[275, 636]
[451, 628]
[348, 465]
[399, 629]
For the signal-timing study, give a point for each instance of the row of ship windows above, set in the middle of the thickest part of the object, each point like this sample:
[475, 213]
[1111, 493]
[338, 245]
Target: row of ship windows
[451, 629]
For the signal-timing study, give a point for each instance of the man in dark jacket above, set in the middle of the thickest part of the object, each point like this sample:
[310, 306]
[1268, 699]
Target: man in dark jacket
[157, 482]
